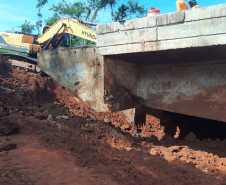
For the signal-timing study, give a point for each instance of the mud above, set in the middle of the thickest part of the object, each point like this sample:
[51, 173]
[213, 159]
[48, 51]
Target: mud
[61, 140]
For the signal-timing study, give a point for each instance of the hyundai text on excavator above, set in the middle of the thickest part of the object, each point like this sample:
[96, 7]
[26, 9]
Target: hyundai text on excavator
[51, 37]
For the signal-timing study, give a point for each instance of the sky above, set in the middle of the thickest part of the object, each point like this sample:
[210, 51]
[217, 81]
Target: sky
[13, 13]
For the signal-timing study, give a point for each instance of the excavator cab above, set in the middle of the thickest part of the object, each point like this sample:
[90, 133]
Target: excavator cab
[66, 42]
[44, 28]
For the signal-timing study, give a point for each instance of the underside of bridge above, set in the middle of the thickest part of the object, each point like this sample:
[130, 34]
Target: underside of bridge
[178, 56]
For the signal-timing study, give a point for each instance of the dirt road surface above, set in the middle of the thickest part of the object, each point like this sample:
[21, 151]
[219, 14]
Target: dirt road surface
[49, 137]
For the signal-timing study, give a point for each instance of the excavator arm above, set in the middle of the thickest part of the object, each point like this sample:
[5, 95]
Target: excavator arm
[67, 26]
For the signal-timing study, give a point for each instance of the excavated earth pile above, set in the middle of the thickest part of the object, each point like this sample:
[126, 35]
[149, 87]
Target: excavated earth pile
[47, 136]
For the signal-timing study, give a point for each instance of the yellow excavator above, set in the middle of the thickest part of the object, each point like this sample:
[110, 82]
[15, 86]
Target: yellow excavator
[51, 37]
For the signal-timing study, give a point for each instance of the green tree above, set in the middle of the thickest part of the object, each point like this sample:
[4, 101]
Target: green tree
[52, 19]
[27, 27]
[75, 10]
[102, 4]
[87, 11]
[40, 5]
[129, 9]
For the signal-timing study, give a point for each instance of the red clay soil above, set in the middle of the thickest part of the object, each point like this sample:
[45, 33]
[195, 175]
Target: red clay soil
[62, 141]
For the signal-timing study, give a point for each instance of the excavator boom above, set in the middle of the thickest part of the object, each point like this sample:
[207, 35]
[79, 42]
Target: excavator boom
[70, 26]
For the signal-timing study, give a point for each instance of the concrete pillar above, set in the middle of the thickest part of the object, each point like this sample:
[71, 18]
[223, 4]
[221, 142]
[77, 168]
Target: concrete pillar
[137, 116]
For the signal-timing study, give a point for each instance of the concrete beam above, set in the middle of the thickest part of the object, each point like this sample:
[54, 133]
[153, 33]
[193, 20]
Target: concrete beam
[186, 43]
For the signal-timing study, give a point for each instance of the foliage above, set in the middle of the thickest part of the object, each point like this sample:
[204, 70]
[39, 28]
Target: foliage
[89, 11]
[102, 4]
[129, 9]
[75, 10]
[40, 5]
[12, 52]
[52, 19]
[78, 41]
[38, 25]
[27, 27]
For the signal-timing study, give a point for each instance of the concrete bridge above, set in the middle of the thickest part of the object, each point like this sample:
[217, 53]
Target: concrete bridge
[174, 62]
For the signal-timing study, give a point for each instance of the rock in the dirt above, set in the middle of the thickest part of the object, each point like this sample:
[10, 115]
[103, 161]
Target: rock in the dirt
[175, 148]
[31, 110]
[94, 118]
[50, 117]
[106, 120]
[46, 112]
[126, 127]
[7, 90]
[40, 116]
[4, 175]
[154, 151]
[7, 146]
[7, 128]
[63, 117]
[87, 129]
[191, 137]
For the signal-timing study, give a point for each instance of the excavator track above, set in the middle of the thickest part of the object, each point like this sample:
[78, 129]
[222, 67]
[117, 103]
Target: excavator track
[28, 63]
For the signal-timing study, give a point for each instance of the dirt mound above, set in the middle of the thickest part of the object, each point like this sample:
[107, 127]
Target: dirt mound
[63, 141]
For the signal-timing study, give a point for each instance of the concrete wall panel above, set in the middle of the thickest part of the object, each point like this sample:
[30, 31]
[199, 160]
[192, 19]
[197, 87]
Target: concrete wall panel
[206, 13]
[197, 90]
[193, 29]
[80, 70]
[170, 18]
[145, 22]
[127, 37]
